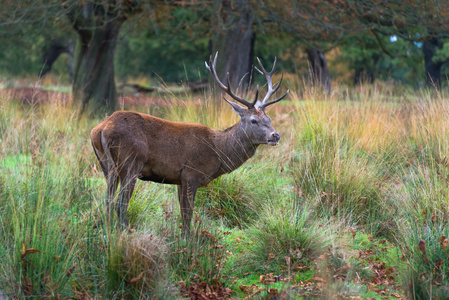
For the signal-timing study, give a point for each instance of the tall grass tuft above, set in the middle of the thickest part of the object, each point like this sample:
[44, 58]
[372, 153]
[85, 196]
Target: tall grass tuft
[237, 198]
[136, 266]
[285, 236]
[421, 200]
[342, 175]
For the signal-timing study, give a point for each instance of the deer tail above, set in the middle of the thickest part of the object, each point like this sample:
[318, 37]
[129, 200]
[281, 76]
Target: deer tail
[107, 152]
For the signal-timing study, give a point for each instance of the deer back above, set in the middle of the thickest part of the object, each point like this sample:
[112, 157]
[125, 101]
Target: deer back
[165, 151]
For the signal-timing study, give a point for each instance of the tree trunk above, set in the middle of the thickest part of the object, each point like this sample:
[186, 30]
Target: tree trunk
[93, 87]
[235, 44]
[363, 75]
[51, 54]
[366, 70]
[318, 69]
[433, 68]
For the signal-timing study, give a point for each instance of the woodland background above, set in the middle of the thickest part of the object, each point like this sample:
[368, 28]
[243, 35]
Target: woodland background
[352, 203]
[167, 41]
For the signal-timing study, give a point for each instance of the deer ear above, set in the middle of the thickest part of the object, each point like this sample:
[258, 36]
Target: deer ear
[240, 110]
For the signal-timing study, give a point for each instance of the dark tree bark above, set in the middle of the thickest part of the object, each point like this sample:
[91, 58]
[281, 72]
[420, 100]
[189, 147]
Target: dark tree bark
[93, 87]
[433, 68]
[235, 43]
[318, 69]
[51, 54]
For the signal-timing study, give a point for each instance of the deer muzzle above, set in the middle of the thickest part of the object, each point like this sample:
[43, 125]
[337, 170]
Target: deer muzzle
[274, 139]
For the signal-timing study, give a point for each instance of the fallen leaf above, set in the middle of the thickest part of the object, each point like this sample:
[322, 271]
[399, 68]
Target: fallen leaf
[70, 271]
[94, 169]
[319, 279]
[324, 256]
[27, 284]
[353, 232]
[246, 289]
[208, 290]
[270, 257]
[422, 247]
[434, 218]
[28, 251]
[272, 291]
[182, 285]
[444, 241]
[439, 263]
[135, 279]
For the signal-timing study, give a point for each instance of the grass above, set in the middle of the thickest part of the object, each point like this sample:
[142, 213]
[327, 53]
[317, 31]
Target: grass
[352, 203]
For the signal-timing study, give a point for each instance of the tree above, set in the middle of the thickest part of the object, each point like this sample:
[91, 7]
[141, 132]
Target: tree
[415, 21]
[97, 24]
[233, 37]
[432, 63]
[318, 68]
[319, 25]
[51, 53]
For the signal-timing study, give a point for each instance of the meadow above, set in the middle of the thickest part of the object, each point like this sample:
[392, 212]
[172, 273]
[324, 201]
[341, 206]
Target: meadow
[353, 203]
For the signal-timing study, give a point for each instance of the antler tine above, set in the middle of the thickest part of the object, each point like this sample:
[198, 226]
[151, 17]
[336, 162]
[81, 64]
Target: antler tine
[271, 90]
[257, 95]
[263, 72]
[276, 100]
[227, 89]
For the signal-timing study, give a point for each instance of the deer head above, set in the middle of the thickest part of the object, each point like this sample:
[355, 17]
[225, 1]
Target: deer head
[254, 121]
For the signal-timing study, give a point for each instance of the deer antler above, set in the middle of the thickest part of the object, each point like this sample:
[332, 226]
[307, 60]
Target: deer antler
[271, 90]
[227, 89]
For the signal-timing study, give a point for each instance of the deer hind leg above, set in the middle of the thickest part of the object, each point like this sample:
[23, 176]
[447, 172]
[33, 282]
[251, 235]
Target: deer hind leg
[186, 196]
[112, 182]
[126, 191]
[128, 177]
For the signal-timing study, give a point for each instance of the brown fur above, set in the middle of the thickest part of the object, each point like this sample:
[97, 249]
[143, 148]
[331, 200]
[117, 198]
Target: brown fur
[131, 145]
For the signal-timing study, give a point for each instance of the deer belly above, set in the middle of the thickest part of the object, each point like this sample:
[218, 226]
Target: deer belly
[160, 177]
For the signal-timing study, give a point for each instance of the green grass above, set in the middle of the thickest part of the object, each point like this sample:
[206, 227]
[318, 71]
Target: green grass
[344, 205]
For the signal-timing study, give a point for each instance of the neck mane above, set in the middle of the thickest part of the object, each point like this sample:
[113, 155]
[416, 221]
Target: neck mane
[233, 147]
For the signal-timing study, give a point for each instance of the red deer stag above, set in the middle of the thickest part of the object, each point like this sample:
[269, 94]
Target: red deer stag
[132, 145]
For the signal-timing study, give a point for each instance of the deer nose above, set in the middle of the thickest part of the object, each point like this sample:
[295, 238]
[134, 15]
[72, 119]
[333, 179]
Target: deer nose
[275, 136]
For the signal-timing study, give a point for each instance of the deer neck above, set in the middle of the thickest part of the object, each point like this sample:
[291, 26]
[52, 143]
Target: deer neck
[233, 147]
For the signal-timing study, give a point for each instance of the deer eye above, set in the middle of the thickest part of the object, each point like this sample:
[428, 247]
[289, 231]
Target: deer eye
[253, 121]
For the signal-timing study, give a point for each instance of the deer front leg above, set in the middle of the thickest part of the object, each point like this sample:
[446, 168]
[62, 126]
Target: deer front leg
[186, 195]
